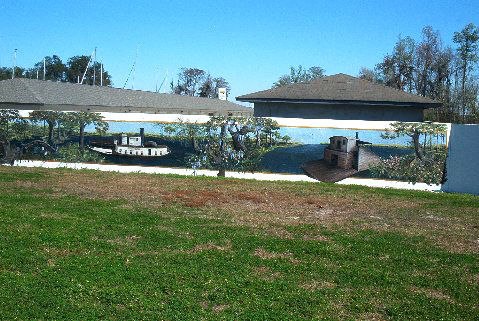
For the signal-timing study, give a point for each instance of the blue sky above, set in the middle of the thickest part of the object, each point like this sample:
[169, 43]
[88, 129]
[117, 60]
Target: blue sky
[250, 43]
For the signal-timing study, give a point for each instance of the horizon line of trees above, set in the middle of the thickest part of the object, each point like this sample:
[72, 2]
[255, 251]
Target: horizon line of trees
[56, 70]
[431, 69]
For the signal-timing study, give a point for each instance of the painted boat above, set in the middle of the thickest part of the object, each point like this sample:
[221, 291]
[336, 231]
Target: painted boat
[131, 146]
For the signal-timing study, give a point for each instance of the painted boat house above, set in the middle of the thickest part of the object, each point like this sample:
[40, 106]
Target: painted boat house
[339, 97]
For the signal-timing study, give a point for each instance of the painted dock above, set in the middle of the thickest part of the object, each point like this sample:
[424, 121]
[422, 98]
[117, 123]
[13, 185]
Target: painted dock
[324, 172]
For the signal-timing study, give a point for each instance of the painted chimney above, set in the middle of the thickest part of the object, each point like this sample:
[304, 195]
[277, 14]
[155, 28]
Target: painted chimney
[222, 94]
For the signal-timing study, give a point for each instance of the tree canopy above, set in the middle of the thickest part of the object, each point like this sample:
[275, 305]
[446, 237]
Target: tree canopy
[197, 82]
[300, 74]
[56, 70]
[430, 69]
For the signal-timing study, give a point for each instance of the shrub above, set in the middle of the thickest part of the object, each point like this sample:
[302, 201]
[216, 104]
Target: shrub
[409, 168]
[71, 154]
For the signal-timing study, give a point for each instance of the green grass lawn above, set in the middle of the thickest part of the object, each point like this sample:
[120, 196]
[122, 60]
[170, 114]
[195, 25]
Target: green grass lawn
[73, 245]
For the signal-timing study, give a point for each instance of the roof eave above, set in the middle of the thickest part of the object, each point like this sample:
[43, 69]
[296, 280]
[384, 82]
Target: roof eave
[337, 102]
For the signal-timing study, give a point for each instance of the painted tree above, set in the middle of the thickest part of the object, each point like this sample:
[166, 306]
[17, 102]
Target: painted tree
[11, 126]
[266, 131]
[228, 143]
[52, 118]
[79, 120]
[298, 75]
[415, 131]
[9, 119]
[189, 132]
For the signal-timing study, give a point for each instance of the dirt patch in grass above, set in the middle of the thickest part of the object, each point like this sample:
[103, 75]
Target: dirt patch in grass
[371, 316]
[315, 285]
[265, 273]
[248, 202]
[266, 204]
[125, 241]
[61, 252]
[214, 308]
[433, 294]
[263, 254]
[210, 246]
[315, 238]
[219, 308]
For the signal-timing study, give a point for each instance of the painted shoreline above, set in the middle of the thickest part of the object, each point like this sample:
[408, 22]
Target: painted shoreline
[256, 176]
[303, 131]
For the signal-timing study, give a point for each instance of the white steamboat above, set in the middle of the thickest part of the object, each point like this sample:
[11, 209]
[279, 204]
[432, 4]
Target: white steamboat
[132, 146]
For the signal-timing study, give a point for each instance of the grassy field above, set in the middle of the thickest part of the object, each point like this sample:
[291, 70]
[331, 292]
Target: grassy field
[89, 245]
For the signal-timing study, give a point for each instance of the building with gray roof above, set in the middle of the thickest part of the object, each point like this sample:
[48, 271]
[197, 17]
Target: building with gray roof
[340, 97]
[32, 94]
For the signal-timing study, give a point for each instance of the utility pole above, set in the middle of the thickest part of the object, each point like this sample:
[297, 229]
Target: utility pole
[14, 63]
[101, 74]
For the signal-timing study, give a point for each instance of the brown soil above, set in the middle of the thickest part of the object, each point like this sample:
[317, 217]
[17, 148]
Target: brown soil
[270, 206]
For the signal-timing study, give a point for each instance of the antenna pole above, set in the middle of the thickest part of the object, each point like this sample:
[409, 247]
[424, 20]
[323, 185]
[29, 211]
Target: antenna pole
[44, 69]
[166, 80]
[14, 63]
[101, 74]
[134, 70]
[94, 71]
[86, 69]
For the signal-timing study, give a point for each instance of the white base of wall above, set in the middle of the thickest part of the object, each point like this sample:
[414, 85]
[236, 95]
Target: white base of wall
[202, 172]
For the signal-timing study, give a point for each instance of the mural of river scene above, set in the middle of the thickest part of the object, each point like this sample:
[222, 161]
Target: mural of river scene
[308, 144]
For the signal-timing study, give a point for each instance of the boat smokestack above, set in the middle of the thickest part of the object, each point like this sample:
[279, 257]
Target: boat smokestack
[142, 136]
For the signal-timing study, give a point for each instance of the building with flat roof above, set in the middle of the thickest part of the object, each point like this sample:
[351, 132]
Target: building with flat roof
[339, 97]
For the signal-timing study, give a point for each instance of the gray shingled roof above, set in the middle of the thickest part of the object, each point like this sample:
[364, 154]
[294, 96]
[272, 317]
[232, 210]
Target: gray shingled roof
[339, 88]
[22, 93]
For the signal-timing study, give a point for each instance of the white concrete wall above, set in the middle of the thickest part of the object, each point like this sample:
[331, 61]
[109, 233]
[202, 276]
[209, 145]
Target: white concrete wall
[463, 160]
[243, 175]
[282, 122]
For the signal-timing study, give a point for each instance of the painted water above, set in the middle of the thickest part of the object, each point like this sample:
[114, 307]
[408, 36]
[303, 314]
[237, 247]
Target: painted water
[298, 135]
[309, 145]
